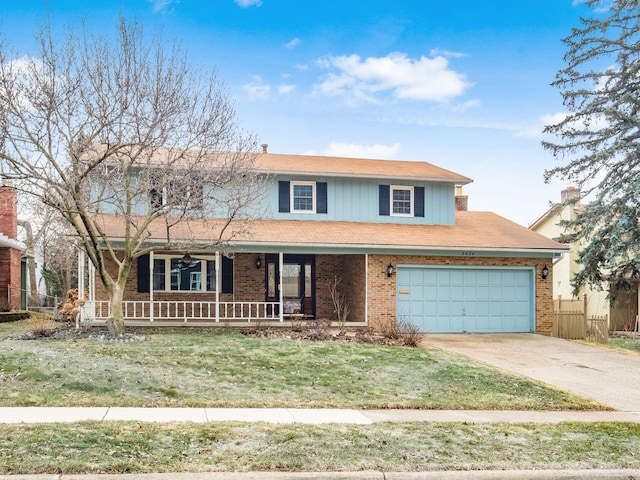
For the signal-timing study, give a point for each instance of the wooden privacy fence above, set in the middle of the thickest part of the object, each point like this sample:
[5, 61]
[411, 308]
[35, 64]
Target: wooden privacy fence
[570, 321]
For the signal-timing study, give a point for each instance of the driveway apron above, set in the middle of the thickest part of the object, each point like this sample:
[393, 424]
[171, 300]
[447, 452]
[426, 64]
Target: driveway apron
[597, 373]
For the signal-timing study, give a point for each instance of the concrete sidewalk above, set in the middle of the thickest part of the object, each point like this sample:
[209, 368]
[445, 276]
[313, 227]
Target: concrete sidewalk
[13, 415]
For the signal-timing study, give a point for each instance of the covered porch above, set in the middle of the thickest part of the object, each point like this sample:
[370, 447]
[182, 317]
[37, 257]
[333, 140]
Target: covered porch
[241, 289]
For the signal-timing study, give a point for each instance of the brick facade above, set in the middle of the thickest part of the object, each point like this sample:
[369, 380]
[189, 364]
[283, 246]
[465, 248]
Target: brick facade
[249, 284]
[382, 289]
[10, 258]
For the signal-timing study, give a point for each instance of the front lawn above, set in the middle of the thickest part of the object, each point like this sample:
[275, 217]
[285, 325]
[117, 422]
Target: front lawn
[132, 447]
[214, 368]
[625, 344]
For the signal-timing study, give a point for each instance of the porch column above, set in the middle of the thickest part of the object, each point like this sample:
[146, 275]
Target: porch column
[217, 262]
[280, 267]
[92, 282]
[366, 288]
[151, 286]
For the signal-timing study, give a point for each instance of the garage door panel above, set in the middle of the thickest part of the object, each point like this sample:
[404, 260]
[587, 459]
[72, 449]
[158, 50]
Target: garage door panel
[449, 299]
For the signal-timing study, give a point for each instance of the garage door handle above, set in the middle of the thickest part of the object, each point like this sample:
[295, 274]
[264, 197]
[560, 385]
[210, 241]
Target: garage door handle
[405, 292]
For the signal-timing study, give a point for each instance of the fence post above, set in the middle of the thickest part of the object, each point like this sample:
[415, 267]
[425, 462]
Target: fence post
[55, 307]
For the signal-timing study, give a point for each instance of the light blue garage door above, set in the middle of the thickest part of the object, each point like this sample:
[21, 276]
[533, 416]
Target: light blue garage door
[466, 299]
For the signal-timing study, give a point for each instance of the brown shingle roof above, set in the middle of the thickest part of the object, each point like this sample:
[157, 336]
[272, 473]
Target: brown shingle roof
[355, 167]
[473, 231]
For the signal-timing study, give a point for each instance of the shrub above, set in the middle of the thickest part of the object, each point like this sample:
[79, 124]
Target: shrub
[409, 333]
[70, 308]
[5, 306]
[41, 326]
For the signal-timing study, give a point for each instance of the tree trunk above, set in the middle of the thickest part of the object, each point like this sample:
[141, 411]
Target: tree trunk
[115, 322]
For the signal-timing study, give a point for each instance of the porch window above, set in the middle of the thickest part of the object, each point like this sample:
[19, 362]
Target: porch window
[402, 201]
[172, 274]
[303, 197]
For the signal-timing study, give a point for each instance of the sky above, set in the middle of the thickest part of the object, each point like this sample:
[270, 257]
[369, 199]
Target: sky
[462, 84]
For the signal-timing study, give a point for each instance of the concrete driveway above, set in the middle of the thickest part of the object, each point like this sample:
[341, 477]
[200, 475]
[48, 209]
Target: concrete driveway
[603, 375]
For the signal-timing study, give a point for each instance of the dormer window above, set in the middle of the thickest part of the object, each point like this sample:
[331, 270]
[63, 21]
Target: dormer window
[401, 201]
[303, 197]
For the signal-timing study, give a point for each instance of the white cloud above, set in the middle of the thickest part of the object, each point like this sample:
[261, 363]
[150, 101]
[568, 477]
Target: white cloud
[248, 3]
[286, 88]
[257, 89]
[463, 107]
[426, 79]
[446, 53]
[161, 5]
[293, 43]
[355, 150]
[302, 67]
[535, 130]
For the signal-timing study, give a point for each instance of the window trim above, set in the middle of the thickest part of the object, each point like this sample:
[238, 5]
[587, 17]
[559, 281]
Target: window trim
[203, 270]
[411, 200]
[314, 196]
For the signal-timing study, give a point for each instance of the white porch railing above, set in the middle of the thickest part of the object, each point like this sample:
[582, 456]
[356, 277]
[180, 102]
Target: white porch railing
[185, 311]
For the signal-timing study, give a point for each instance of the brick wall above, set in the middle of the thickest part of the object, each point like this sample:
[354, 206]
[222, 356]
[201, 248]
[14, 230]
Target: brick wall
[9, 258]
[382, 290]
[327, 267]
[354, 281]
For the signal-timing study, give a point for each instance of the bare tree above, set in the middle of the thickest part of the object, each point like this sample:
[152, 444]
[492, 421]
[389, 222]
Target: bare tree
[122, 128]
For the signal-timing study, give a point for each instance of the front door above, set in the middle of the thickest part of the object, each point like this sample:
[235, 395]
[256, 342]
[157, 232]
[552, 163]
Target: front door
[298, 283]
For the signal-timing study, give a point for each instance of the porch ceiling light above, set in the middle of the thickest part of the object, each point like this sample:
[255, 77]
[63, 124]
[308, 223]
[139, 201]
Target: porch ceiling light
[390, 270]
[545, 272]
[187, 259]
[258, 262]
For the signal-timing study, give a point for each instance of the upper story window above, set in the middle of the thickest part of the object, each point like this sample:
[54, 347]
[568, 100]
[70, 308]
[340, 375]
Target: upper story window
[401, 201]
[179, 194]
[173, 274]
[303, 197]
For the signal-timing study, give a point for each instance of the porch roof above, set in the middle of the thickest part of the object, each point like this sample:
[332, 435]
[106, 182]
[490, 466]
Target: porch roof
[478, 231]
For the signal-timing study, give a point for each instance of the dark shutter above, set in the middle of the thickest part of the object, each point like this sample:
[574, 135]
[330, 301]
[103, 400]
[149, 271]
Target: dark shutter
[227, 275]
[384, 199]
[418, 201]
[321, 193]
[143, 274]
[284, 203]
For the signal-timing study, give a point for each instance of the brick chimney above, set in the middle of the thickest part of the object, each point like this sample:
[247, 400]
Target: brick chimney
[462, 201]
[10, 257]
[570, 193]
[265, 148]
[8, 212]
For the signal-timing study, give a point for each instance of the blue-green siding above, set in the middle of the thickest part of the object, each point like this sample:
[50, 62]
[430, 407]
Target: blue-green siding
[356, 200]
[466, 299]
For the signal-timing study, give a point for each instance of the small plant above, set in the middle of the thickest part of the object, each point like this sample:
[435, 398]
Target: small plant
[40, 326]
[409, 333]
[388, 328]
[341, 305]
[319, 330]
[5, 305]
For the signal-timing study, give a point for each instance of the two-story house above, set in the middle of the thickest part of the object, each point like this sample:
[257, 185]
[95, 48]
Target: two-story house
[396, 234]
[621, 313]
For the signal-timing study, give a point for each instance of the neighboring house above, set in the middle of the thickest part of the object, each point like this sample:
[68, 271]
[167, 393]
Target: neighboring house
[12, 268]
[625, 309]
[395, 233]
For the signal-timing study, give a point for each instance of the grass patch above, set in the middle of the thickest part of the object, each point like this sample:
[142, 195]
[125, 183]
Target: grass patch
[212, 368]
[129, 447]
[628, 344]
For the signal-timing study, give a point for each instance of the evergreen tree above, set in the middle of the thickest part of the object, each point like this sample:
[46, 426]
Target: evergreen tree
[598, 142]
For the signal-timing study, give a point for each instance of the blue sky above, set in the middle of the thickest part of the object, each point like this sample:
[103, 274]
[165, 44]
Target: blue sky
[462, 84]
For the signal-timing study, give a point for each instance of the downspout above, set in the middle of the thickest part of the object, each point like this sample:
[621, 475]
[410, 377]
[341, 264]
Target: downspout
[280, 267]
[217, 286]
[151, 286]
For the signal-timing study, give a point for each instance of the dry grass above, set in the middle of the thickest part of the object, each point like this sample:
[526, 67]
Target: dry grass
[132, 447]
